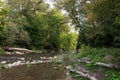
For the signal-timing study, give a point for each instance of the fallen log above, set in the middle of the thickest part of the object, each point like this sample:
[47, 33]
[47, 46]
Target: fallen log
[20, 50]
[113, 66]
[81, 73]
[84, 61]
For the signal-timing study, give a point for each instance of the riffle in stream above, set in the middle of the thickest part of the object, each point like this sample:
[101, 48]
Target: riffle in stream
[39, 71]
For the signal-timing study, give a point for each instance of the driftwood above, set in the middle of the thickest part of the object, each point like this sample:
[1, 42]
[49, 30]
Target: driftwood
[19, 50]
[112, 66]
[81, 73]
[84, 61]
[23, 50]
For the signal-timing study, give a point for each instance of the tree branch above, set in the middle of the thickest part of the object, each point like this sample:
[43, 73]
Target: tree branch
[35, 8]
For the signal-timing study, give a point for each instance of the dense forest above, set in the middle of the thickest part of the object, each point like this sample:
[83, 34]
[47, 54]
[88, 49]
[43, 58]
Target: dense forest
[98, 21]
[33, 24]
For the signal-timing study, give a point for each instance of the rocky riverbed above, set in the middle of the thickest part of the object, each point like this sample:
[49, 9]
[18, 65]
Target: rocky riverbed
[31, 67]
[15, 59]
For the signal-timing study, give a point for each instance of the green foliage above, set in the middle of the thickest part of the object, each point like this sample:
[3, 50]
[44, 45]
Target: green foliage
[103, 21]
[1, 66]
[112, 75]
[36, 31]
[108, 18]
[69, 58]
[97, 20]
[1, 51]
[51, 31]
[57, 27]
[12, 31]
[99, 54]
[87, 51]
[33, 25]
[70, 41]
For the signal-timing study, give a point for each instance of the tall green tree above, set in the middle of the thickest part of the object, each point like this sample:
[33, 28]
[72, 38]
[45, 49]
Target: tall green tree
[97, 20]
[76, 10]
[57, 26]
[31, 24]
[17, 20]
[3, 19]
[108, 17]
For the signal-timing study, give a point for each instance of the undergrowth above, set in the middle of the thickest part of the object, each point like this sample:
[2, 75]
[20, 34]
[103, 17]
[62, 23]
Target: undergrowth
[1, 66]
[97, 55]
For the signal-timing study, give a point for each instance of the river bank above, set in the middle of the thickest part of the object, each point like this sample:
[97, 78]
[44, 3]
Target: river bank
[94, 64]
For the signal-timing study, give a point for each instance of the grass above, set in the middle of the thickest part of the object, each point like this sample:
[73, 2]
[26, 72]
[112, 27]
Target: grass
[112, 75]
[1, 51]
[65, 59]
[98, 55]
[1, 66]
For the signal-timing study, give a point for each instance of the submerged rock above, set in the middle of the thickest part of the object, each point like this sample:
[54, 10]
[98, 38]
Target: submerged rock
[3, 62]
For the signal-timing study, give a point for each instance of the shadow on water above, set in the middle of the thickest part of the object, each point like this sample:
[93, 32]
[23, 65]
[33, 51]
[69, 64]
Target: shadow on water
[44, 71]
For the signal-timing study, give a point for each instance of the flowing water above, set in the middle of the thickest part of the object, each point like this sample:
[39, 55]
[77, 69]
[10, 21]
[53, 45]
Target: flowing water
[41, 71]
[45, 71]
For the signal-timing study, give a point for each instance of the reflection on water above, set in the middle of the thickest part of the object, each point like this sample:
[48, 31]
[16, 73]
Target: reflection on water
[46, 71]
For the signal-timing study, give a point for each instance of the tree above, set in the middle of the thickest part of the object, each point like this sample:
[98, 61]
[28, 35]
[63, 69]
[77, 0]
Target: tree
[108, 17]
[76, 9]
[97, 20]
[57, 26]
[31, 24]
[16, 22]
[70, 41]
[3, 19]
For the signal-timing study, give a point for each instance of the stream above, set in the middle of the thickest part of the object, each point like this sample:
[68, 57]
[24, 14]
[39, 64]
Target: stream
[38, 71]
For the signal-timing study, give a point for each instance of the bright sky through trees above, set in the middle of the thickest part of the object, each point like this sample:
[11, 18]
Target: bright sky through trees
[50, 2]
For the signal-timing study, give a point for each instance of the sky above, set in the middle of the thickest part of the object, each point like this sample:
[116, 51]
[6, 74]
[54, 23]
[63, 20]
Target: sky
[50, 2]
